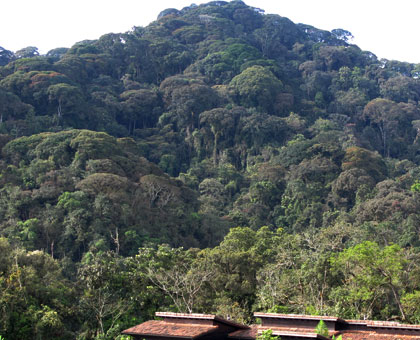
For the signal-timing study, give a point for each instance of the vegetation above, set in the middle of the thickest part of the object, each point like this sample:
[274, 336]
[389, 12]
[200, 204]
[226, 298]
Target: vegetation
[267, 335]
[219, 160]
[322, 329]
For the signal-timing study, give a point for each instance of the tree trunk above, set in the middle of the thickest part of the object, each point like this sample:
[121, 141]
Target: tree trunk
[398, 301]
[216, 140]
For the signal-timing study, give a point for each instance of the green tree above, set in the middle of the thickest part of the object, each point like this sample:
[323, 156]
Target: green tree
[222, 125]
[382, 114]
[102, 279]
[35, 297]
[235, 263]
[257, 86]
[371, 275]
[68, 99]
[401, 89]
[180, 274]
[27, 52]
[342, 34]
[6, 56]
[322, 329]
[140, 108]
[12, 107]
[186, 98]
[371, 162]
[267, 335]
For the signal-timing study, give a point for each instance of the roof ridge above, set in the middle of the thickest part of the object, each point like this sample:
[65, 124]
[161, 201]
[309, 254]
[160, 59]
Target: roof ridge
[298, 316]
[186, 315]
[200, 317]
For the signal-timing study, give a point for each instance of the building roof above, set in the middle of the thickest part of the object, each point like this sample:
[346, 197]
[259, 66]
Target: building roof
[194, 326]
[256, 330]
[300, 334]
[297, 317]
[196, 316]
[170, 329]
[383, 324]
[293, 332]
[182, 326]
[349, 329]
[250, 333]
[363, 335]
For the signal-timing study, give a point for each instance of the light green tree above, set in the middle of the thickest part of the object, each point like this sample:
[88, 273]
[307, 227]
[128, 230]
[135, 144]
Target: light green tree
[322, 329]
[257, 86]
[267, 335]
[371, 277]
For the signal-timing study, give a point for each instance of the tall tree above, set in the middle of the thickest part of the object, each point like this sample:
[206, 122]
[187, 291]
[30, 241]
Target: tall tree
[371, 278]
[257, 86]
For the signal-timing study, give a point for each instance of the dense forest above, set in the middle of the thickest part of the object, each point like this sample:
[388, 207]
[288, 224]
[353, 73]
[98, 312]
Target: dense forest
[219, 160]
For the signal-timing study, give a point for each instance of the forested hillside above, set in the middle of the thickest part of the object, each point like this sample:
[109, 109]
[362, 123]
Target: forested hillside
[219, 160]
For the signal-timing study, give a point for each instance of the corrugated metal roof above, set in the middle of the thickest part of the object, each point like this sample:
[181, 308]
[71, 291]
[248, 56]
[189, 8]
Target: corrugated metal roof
[296, 334]
[383, 324]
[196, 316]
[256, 330]
[170, 329]
[189, 326]
[250, 333]
[297, 317]
[361, 335]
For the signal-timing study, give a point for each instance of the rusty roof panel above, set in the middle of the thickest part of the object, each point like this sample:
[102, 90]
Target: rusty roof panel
[256, 330]
[297, 316]
[250, 333]
[185, 315]
[360, 335]
[170, 329]
[195, 316]
[191, 326]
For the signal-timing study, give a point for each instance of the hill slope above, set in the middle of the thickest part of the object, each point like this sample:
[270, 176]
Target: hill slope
[212, 117]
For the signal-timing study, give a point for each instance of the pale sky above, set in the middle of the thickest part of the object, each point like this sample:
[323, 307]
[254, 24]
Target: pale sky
[387, 28]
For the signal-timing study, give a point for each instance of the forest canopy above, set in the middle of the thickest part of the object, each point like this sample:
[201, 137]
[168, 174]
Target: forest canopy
[220, 160]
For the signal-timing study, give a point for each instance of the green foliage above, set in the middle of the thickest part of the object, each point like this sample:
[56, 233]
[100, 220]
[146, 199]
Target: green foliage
[212, 117]
[415, 187]
[369, 272]
[267, 335]
[257, 86]
[372, 163]
[322, 329]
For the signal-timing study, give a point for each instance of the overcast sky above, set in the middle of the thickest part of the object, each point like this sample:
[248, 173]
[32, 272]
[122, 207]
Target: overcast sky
[387, 28]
